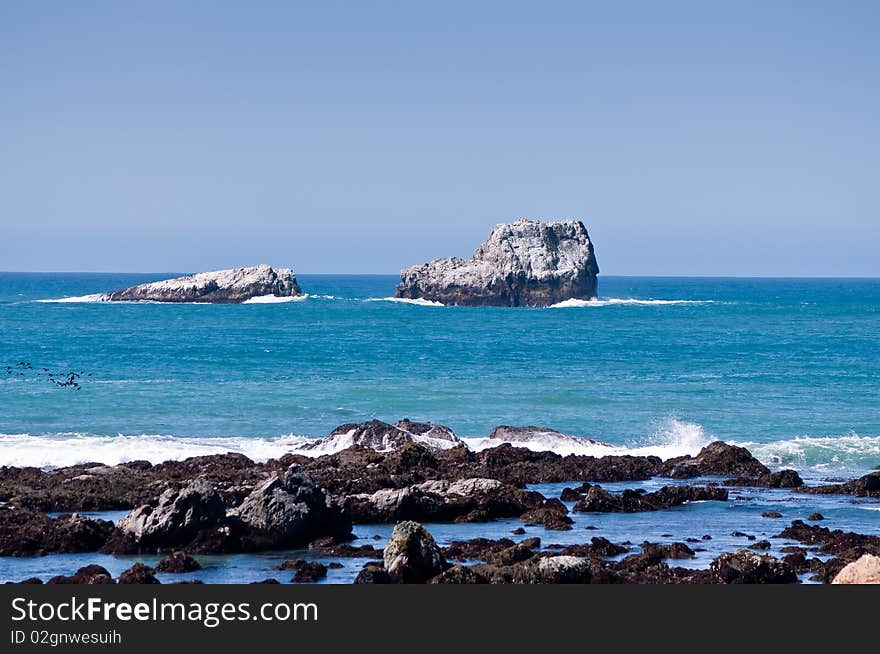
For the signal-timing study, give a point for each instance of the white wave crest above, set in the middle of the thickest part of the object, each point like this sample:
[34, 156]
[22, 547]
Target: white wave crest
[606, 302]
[57, 450]
[417, 301]
[94, 297]
[275, 299]
[847, 452]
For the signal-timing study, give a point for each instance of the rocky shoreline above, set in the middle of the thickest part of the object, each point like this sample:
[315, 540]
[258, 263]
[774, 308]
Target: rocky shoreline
[227, 503]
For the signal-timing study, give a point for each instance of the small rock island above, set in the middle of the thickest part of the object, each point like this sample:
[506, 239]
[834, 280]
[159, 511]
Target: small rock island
[218, 287]
[525, 263]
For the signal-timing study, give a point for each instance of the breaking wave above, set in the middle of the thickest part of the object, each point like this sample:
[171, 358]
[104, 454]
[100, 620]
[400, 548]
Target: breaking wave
[93, 297]
[417, 301]
[275, 299]
[606, 302]
[847, 452]
[673, 438]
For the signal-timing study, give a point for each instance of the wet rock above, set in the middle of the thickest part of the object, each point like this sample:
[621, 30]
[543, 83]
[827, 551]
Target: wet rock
[746, 567]
[771, 514]
[779, 479]
[480, 549]
[760, 545]
[309, 571]
[466, 500]
[564, 569]
[288, 510]
[716, 459]
[384, 437]
[599, 500]
[865, 570]
[411, 555]
[553, 514]
[90, 575]
[519, 531]
[177, 518]
[178, 562]
[867, 486]
[459, 574]
[598, 548]
[373, 573]
[816, 516]
[138, 574]
[25, 532]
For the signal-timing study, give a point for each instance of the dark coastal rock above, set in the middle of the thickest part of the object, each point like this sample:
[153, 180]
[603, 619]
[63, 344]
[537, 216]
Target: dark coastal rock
[553, 515]
[27, 533]
[459, 574]
[466, 500]
[138, 574]
[526, 263]
[867, 486]
[815, 516]
[86, 487]
[844, 546]
[746, 567]
[177, 518]
[287, 511]
[178, 562]
[598, 548]
[411, 555]
[88, 575]
[778, 479]
[771, 514]
[304, 571]
[598, 500]
[217, 287]
[479, 549]
[716, 459]
[372, 573]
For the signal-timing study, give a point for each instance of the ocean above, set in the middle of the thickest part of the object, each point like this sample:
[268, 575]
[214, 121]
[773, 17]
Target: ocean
[787, 367]
[790, 368]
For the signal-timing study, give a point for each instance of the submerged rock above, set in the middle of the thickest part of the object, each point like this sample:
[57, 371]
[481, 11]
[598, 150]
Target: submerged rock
[217, 287]
[525, 263]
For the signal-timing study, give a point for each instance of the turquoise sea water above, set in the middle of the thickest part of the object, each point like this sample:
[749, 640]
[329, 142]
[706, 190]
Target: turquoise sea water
[790, 367]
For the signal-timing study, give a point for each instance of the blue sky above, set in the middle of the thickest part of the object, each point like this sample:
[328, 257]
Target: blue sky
[693, 138]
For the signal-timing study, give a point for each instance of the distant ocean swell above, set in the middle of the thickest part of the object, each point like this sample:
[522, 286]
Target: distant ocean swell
[850, 452]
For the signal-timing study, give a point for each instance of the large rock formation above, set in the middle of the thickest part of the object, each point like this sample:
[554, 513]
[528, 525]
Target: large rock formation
[218, 287]
[526, 263]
